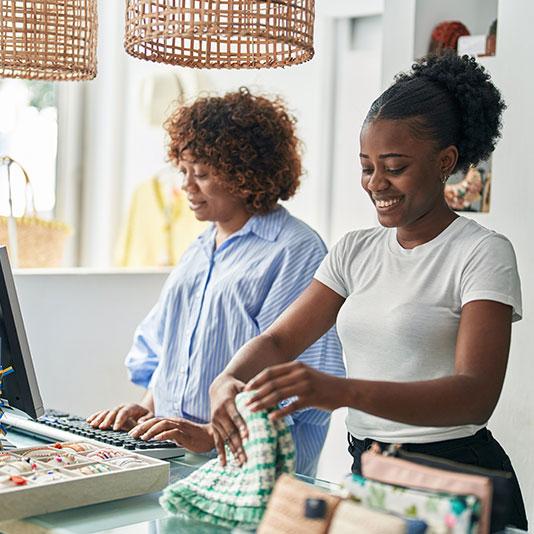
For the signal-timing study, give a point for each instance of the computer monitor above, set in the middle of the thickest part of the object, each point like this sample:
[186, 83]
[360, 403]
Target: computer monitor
[19, 389]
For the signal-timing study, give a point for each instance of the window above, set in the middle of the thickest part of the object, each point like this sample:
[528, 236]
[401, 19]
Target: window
[28, 134]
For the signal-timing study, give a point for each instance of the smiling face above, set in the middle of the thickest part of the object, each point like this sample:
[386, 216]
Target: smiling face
[206, 196]
[402, 174]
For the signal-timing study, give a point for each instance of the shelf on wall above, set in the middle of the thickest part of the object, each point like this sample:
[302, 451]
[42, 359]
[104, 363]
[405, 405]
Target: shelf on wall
[476, 15]
[487, 61]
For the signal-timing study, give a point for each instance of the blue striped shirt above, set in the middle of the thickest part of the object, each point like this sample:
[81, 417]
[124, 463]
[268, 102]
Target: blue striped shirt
[216, 300]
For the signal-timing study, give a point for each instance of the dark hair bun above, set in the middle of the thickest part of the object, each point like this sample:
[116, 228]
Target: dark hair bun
[479, 102]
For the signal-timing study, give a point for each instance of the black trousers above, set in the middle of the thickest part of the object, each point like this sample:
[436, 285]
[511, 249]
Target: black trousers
[481, 450]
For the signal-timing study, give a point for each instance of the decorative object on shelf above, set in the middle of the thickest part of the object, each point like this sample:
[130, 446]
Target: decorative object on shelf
[491, 39]
[52, 40]
[234, 34]
[3, 373]
[470, 191]
[234, 496]
[31, 240]
[445, 36]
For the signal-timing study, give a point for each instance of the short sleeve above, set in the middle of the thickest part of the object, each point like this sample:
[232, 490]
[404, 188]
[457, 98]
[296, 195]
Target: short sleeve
[491, 274]
[331, 272]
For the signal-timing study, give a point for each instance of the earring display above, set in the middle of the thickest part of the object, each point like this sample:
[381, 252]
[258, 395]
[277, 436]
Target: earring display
[57, 477]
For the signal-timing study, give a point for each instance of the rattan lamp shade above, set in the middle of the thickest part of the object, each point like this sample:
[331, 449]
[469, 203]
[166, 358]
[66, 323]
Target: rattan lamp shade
[48, 39]
[237, 34]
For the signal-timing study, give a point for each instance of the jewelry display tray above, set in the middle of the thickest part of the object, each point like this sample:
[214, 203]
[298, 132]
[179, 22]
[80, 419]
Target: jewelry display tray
[78, 478]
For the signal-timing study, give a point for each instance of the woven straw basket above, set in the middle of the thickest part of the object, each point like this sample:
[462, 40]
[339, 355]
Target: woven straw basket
[39, 243]
[234, 34]
[48, 40]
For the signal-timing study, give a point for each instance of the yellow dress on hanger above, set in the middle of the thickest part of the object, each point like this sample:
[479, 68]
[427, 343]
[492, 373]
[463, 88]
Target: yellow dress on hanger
[158, 229]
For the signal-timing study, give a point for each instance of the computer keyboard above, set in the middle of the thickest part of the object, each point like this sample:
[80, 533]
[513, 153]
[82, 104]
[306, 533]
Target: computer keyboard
[61, 426]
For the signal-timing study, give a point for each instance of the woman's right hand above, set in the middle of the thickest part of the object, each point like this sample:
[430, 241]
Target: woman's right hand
[227, 425]
[123, 417]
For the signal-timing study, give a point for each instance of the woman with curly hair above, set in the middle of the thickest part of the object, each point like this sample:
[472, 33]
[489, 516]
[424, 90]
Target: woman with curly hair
[239, 156]
[423, 304]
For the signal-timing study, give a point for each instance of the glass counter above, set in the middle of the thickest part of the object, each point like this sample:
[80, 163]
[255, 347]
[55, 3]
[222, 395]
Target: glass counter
[134, 515]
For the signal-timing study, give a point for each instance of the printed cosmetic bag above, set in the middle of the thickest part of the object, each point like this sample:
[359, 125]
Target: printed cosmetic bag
[443, 513]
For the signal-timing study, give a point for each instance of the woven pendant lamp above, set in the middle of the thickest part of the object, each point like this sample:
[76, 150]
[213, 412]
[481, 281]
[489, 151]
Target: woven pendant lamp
[235, 34]
[48, 39]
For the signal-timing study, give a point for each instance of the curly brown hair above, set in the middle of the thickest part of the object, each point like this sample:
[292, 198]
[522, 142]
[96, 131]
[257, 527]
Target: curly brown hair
[249, 141]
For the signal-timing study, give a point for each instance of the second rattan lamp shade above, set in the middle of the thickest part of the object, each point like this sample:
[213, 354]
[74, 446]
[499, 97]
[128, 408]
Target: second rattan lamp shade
[48, 39]
[237, 34]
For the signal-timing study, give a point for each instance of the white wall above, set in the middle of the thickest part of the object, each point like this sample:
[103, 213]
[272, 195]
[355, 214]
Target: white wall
[512, 214]
[80, 325]
[358, 50]
[103, 133]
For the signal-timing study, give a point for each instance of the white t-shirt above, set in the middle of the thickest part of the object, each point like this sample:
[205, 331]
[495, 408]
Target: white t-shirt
[400, 319]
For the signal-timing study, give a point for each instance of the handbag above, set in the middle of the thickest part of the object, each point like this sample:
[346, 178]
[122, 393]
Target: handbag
[501, 502]
[287, 509]
[31, 240]
[399, 471]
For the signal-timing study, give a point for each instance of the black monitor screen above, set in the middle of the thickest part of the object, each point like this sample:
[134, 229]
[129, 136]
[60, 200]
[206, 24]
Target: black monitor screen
[20, 388]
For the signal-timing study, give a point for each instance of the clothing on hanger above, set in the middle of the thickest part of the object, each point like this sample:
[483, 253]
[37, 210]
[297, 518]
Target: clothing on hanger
[159, 226]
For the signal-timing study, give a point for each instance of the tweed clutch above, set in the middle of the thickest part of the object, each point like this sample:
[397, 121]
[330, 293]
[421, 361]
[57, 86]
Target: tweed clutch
[286, 513]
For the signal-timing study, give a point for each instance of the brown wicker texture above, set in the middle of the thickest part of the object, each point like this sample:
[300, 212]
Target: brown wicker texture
[38, 242]
[235, 34]
[48, 39]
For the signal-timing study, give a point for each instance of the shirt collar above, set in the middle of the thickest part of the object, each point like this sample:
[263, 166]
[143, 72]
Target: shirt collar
[266, 226]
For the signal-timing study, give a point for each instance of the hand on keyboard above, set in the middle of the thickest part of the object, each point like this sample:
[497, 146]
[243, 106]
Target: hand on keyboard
[78, 427]
[195, 437]
[123, 417]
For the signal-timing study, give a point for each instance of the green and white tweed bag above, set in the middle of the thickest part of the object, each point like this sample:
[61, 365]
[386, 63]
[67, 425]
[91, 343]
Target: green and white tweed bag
[234, 496]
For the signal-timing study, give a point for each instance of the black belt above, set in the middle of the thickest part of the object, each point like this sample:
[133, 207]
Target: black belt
[365, 444]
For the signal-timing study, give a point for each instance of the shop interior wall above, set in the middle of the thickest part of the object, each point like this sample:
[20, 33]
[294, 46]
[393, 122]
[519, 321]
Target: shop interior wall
[511, 214]
[405, 24]
[98, 332]
[121, 150]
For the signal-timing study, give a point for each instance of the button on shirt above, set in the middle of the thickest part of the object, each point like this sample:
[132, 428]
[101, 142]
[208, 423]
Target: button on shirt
[216, 300]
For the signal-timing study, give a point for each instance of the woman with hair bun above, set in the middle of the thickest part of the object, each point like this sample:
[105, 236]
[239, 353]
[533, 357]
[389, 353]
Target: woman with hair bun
[239, 156]
[423, 304]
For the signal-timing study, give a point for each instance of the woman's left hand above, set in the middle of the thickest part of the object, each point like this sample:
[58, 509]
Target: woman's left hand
[195, 437]
[312, 389]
